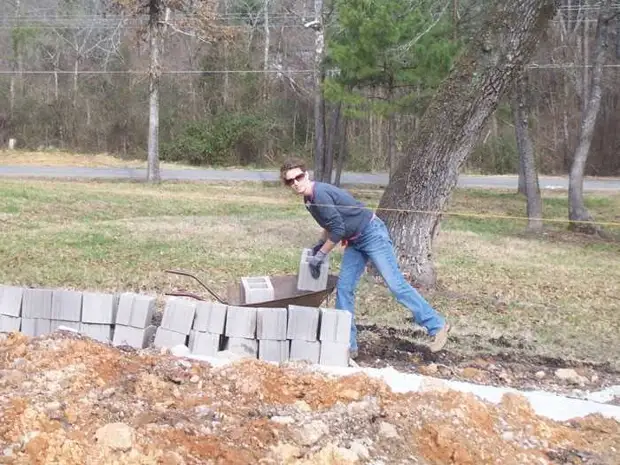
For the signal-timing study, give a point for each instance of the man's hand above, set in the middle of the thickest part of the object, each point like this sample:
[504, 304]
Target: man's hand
[315, 262]
[316, 247]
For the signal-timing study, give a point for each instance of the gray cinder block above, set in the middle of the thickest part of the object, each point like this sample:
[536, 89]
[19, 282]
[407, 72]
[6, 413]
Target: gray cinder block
[210, 317]
[273, 351]
[11, 300]
[204, 343]
[133, 337]
[271, 323]
[179, 315]
[66, 305]
[305, 350]
[98, 332]
[335, 325]
[241, 322]
[303, 323]
[37, 303]
[257, 289]
[242, 346]
[9, 324]
[334, 353]
[305, 281]
[168, 338]
[35, 327]
[98, 308]
[135, 310]
[55, 324]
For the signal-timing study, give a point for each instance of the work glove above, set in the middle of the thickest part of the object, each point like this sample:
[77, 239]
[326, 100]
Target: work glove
[316, 247]
[315, 262]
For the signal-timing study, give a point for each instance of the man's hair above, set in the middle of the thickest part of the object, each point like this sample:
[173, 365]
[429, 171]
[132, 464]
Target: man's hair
[291, 164]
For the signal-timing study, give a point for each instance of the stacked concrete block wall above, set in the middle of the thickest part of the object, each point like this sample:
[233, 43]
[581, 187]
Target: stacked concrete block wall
[305, 281]
[296, 333]
[134, 319]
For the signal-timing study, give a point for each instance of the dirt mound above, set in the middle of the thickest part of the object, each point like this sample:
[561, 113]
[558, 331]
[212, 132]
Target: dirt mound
[69, 400]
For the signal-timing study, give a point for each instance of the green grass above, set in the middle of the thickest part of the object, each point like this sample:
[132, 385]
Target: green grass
[558, 293]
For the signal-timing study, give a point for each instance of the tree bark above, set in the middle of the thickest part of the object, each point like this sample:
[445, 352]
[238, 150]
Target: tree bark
[155, 35]
[526, 155]
[266, 51]
[578, 214]
[332, 142]
[451, 126]
[319, 101]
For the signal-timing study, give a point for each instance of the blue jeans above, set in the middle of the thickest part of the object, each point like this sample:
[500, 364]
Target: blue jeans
[375, 244]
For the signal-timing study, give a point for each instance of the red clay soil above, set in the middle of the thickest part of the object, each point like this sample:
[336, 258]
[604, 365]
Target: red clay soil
[65, 399]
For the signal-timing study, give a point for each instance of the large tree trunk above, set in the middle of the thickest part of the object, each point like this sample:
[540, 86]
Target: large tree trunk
[155, 36]
[319, 101]
[577, 211]
[526, 156]
[342, 150]
[451, 126]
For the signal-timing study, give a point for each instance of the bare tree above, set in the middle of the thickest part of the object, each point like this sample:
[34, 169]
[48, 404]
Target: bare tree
[451, 126]
[527, 160]
[319, 100]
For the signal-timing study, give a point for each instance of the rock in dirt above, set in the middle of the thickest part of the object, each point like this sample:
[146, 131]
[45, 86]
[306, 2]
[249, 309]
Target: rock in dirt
[570, 375]
[387, 430]
[312, 432]
[116, 436]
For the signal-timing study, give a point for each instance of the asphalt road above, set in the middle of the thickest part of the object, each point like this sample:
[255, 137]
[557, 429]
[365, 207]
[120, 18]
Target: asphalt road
[502, 182]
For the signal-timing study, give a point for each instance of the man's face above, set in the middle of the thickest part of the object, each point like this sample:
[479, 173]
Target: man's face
[298, 180]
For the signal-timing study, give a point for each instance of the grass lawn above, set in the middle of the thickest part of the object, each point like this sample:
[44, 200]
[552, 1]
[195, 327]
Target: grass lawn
[557, 295]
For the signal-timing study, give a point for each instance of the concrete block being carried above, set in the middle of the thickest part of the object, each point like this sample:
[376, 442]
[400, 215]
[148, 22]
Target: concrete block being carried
[257, 289]
[305, 281]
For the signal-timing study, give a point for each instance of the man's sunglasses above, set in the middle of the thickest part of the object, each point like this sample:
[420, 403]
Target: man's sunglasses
[298, 178]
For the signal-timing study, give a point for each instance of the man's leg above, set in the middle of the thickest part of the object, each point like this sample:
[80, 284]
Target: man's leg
[351, 269]
[378, 246]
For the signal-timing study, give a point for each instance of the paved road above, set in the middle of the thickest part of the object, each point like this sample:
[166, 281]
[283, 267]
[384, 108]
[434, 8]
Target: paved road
[503, 182]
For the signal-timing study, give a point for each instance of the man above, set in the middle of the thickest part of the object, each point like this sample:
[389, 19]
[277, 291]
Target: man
[365, 237]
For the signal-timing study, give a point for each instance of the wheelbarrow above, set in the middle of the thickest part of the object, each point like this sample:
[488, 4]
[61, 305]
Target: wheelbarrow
[284, 289]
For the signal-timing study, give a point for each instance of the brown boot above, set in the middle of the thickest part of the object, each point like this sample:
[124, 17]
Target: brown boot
[440, 339]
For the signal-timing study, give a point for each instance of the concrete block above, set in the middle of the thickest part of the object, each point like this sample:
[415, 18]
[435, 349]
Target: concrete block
[179, 315]
[133, 337]
[135, 310]
[168, 338]
[99, 308]
[335, 325]
[242, 346]
[204, 343]
[241, 322]
[66, 305]
[35, 327]
[303, 323]
[37, 303]
[309, 351]
[334, 353]
[55, 324]
[210, 317]
[273, 351]
[98, 332]
[9, 324]
[305, 281]
[271, 323]
[257, 289]
[11, 300]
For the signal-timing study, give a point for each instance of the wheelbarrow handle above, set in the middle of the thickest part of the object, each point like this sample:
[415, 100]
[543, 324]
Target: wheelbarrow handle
[190, 275]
